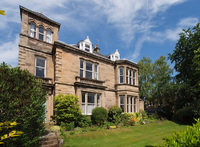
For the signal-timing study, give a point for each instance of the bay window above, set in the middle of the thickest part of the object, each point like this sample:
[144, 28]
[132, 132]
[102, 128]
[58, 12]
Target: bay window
[121, 75]
[130, 76]
[122, 103]
[89, 102]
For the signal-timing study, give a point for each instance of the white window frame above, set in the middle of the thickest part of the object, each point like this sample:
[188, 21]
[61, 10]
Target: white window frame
[98, 103]
[40, 33]
[96, 77]
[33, 30]
[49, 36]
[82, 68]
[83, 104]
[87, 48]
[88, 107]
[88, 70]
[134, 77]
[128, 104]
[127, 75]
[120, 104]
[135, 104]
[121, 75]
[40, 66]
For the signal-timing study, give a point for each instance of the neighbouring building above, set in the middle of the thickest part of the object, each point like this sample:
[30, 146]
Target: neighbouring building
[79, 69]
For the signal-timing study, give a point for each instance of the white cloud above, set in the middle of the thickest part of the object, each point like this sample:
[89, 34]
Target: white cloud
[166, 35]
[9, 51]
[188, 22]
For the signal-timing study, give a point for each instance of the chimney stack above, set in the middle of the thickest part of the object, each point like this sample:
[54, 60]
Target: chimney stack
[96, 48]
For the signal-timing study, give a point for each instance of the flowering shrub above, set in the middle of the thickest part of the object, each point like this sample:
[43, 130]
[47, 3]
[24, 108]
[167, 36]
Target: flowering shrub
[129, 122]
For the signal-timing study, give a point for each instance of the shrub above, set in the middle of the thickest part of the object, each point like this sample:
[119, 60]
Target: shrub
[99, 115]
[184, 116]
[114, 114]
[84, 121]
[67, 109]
[22, 100]
[143, 114]
[67, 126]
[55, 128]
[108, 124]
[186, 138]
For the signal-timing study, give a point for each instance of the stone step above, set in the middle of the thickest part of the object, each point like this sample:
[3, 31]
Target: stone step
[49, 142]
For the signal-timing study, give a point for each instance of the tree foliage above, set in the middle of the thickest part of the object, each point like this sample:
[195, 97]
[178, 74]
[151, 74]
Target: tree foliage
[153, 78]
[186, 57]
[22, 100]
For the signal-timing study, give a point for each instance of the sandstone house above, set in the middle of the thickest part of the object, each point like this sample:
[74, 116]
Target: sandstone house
[79, 69]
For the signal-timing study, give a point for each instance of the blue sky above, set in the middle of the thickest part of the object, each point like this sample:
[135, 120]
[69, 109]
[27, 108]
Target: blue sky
[136, 28]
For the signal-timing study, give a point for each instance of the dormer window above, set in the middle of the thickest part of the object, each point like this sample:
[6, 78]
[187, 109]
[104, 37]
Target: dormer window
[87, 47]
[41, 33]
[33, 30]
[114, 56]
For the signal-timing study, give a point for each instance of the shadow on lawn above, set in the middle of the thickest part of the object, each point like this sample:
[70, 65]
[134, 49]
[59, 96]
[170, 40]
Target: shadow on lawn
[149, 146]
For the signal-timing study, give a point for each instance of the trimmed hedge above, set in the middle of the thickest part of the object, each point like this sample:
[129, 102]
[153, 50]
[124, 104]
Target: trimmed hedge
[99, 115]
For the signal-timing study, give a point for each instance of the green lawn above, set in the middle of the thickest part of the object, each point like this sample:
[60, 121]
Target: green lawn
[136, 136]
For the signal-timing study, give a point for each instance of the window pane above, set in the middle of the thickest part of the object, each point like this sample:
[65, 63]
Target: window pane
[122, 107]
[121, 71]
[81, 64]
[98, 100]
[49, 36]
[81, 73]
[40, 62]
[83, 108]
[86, 45]
[91, 98]
[96, 66]
[41, 37]
[88, 75]
[83, 97]
[41, 30]
[88, 66]
[121, 79]
[39, 72]
[33, 30]
[41, 33]
[121, 99]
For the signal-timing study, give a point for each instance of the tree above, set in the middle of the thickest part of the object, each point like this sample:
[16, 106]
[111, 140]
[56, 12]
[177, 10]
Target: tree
[145, 78]
[153, 78]
[186, 59]
[22, 100]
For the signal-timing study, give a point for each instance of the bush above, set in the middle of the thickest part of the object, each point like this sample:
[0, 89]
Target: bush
[143, 114]
[99, 115]
[67, 126]
[55, 128]
[84, 121]
[184, 116]
[114, 114]
[67, 109]
[186, 138]
[22, 100]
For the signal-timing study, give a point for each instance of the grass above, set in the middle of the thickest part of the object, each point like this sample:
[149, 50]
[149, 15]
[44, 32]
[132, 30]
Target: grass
[136, 136]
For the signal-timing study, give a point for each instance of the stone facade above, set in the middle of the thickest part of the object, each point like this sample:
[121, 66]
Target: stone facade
[69, 69]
